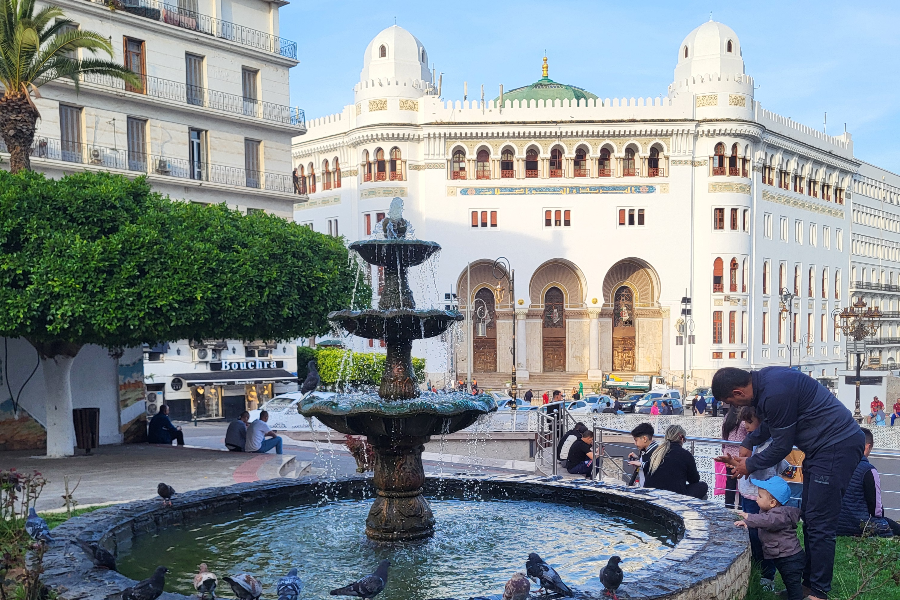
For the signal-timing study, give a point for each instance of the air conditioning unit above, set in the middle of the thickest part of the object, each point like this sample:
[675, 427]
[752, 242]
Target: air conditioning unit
[202, 354]
[154, 401]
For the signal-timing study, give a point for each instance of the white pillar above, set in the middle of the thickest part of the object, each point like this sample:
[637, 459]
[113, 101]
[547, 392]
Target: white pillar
[521, 345]
[594, 372]
[60, 427]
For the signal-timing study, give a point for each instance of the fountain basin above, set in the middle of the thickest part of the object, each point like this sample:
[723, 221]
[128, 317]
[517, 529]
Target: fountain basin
[395, 251]
[400, 324]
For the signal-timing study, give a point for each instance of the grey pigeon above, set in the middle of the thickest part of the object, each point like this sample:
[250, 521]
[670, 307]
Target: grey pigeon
[517, 588]
[545, 575]
[245, 586]
[289, 586]
[312, 378]
[102, 557]
[611, 576]
[205, 582]
[165, 492]
[148, 589]
[37, 528]
[369, 586]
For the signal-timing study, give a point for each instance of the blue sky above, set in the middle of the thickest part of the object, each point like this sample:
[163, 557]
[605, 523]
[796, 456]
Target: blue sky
[806, 57]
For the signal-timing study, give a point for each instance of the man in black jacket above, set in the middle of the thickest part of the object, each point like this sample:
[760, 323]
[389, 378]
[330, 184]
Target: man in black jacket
[796, 410]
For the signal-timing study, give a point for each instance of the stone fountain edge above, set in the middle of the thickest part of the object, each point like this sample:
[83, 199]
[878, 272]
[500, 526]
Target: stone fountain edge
[710, 561]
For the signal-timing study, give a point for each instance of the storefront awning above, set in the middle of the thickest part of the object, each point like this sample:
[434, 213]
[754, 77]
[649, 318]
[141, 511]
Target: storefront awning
[242, 377]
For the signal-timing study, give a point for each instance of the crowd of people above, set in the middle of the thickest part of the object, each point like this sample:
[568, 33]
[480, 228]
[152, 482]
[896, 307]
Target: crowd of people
[877, 415]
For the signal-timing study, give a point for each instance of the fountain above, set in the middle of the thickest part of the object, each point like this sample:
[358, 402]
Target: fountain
[398, 422]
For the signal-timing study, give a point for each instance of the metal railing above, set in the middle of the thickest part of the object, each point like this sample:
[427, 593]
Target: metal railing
[195, 21]
[546, 440]
[156, 164]
[193, 95]
[878, 287]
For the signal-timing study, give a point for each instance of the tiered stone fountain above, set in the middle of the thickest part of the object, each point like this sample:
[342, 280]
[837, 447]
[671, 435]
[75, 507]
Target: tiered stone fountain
[399, 421]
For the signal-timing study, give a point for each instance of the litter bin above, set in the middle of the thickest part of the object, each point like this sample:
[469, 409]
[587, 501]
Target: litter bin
[87, 428]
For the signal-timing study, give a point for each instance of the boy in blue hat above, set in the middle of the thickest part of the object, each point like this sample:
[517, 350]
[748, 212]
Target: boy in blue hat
[777, 526]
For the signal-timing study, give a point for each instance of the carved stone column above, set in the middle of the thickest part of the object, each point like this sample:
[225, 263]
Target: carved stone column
[594, 372]
[521, 345]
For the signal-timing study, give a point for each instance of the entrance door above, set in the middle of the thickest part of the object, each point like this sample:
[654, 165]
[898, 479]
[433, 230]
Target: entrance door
[623, 330]
[484, 329]
[554, 331]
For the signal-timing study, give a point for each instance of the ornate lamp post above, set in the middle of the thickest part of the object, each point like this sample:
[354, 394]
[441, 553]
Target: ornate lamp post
[857, 322]
[787, 311]
[501, 270]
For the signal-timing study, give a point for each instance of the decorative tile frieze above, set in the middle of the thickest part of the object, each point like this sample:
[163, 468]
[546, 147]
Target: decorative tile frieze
[803, 204]
[551, 190]
[412, 105]
[700, 163]
[345, 173]
[383, 192]
[426, 166]
[681, 163]
[664, 188]
[377, 105]
[732, 188]
[316, 202]
[737, 100]
[708, 100]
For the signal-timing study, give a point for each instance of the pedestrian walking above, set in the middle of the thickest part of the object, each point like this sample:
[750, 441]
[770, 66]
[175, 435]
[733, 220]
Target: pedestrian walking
[701, 407]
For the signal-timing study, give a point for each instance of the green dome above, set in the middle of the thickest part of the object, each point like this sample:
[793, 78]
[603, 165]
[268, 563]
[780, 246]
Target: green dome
[547, 89]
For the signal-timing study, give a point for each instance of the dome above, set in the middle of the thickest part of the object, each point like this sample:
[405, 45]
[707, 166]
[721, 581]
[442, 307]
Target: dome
[395, 54]
[711, 48]
[547, 89]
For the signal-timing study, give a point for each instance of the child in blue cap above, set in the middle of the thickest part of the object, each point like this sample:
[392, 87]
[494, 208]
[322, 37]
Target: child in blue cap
[777, 526]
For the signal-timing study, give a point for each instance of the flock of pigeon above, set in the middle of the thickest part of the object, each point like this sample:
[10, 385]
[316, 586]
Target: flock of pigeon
[246, 587]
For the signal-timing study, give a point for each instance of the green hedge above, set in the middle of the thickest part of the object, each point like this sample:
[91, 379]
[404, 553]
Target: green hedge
[343, 367]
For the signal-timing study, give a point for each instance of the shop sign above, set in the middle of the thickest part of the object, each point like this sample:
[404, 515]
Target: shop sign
[227, 365]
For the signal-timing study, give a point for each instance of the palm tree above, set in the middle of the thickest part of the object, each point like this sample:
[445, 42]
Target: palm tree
[36, 48]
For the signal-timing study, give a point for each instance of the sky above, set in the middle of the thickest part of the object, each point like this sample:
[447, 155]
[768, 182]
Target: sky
[807, 58]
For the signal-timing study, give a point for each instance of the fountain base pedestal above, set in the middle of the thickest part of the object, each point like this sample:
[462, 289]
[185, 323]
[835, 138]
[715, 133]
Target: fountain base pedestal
[400, 512]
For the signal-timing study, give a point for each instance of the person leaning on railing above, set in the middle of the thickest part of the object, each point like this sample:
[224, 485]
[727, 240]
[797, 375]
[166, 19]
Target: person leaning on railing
[671, 467]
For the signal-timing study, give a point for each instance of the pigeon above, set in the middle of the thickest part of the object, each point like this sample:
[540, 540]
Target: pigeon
[517, 588]
[289, 586]
[102, 557]
[369, 586]
[148, 589]
[165, 492]
[312, 378]
[245, 586]
[545, 575]
[205, 582]
[611, 576]
[37, 528]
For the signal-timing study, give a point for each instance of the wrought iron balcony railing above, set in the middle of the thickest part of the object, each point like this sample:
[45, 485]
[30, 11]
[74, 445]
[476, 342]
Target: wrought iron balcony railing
[195, 21]
[878, 287]
[193, 95]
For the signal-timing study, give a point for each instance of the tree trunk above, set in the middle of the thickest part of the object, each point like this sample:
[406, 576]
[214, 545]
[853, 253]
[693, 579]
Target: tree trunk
[18, 119]
[56, 363]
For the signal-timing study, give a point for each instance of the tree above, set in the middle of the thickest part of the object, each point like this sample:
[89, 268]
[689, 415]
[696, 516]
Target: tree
[36, 49]
[95, 258]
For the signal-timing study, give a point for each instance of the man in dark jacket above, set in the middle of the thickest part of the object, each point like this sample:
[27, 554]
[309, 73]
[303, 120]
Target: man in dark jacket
[162, 430]
[796, 410]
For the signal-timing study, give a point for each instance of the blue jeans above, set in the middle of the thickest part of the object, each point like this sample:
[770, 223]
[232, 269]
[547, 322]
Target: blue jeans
[269, 443]
[893, 416]
[767, 566]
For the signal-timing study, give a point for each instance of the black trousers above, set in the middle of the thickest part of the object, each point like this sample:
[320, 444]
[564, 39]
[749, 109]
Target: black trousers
[233, 448]
[791, 569]
[730, 490]
[697, 490]
[179, 437]
[826, 475]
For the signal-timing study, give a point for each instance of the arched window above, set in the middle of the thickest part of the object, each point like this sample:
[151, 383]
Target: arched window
[653, 163]
[366, 166]
[685, 52]
[782, 276]
[458, 165]
[718, 159]
[423, 56]
[628, 164]
[718, 286]
[326, 185]
[337, 173]
[382, 51]
[729, 47]
[531, 163]
[812, 277]
[796, 280]
[507, 164]
[556, 163]
[825, 283]
[766, 277]
[581, 168]
[745, 274]
[380, 165]
[837, 284]
[605, 170]
[733, 276]
[482, 165]
[396, 165]
[734, 169]
[312, 179]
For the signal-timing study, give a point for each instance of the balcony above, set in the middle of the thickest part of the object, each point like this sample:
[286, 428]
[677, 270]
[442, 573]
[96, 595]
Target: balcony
[718, 170]
[193, 95]
[878, 287]
[367, 177]
[326, 185]
[581, 172]
[630, 171]
[656, 172]
[156, 164]
[607, 172]
[531, 173]
[734, 171]
[396, 176]
[457, 175]
[382, 176]
[195, 21]
[482, 174]
[556, 173]
[507, 174]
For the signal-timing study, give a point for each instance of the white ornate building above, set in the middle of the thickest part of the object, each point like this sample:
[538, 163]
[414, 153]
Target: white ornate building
[610, 212]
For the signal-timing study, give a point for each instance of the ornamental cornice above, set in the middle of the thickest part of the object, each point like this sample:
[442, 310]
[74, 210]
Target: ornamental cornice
[810, 152]
[753, 131]
[795, 202]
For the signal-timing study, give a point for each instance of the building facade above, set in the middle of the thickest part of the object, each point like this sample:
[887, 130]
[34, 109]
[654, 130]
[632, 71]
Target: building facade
[613, 213]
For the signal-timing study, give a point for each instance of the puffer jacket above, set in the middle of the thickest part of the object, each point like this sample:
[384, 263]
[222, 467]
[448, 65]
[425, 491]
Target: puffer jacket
[777, 531]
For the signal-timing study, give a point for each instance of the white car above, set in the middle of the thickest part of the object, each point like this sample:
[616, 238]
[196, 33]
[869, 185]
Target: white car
[283, 415]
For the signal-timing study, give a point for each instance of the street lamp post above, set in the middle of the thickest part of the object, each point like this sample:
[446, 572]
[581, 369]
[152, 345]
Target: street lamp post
[501, 270]
[857, 322]
[806, 340]
[787, 308]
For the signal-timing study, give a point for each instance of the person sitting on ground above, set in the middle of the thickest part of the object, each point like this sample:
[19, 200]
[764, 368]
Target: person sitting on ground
[896, 413]
[236, 434]
[673, 468]
[609, 408]
[257, 432]
[777, 526]
[877, 416]
[862, 500]
[161, 429]
[581, 455]
[643, 441]
[571, 436]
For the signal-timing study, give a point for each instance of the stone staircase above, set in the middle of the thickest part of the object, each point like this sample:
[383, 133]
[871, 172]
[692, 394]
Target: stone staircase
[537, 382]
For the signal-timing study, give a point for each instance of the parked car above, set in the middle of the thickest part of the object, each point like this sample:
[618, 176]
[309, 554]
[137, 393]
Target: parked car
[580, 407]
[700, 391]
[598, 402]
[283, 414]
[520, 404]
[630, 407]
[499, 397]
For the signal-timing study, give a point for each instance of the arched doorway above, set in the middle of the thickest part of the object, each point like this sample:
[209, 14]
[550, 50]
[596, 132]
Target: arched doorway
[484, 332]
[554, 331]
[623, 330]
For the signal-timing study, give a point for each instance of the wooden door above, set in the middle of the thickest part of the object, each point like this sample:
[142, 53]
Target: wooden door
[554, 331]
[624, 352]
[554, 355]
[485, 355]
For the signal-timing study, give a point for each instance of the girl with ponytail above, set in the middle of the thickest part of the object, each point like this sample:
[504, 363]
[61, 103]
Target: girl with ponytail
[673, 468]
